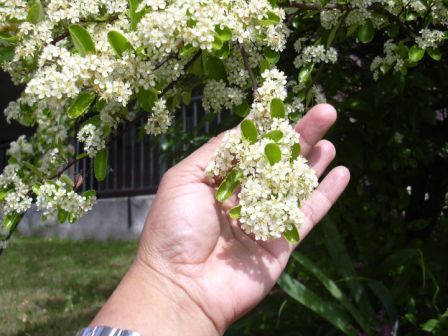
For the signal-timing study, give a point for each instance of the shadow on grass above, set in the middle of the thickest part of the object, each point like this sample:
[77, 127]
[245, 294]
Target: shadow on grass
[67, 324]
[71, 312]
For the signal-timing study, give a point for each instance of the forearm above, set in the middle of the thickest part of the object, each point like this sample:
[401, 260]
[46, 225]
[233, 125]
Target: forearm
[148, 303]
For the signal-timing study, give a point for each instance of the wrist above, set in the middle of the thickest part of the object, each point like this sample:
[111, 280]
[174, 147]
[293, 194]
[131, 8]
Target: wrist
[149, 303]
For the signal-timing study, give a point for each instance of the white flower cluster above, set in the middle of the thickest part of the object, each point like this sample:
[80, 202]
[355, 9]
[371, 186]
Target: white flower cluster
[160, 119]
[330, 17]
[218, 96]
[92, 138]
[430, 38]
[271, 194]
[13, 9]
[20, 149]
[53, 196]
[17, 199]
[391, 59]
[316, 54]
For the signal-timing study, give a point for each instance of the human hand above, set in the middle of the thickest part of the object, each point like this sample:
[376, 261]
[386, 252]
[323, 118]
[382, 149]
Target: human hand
[196, 271]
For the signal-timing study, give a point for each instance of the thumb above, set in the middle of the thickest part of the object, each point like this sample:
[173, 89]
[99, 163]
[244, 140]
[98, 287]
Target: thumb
[196, 163]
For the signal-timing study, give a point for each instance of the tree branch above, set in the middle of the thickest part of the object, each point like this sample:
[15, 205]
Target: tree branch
[249, 69]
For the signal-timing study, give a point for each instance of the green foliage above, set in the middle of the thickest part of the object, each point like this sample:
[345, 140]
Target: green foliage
[81, 104]
[325, 309]
[100, 164]
[277, 108]
[147, 99]
[228, 186]
[242, 110]
[35, 12]
[11, 220]
[273, 153]
[275, 135]
[383, 247]
[81, 39]
[366, 32]
[235, 212]
[249, 130]
[118, 42]
[292, 235]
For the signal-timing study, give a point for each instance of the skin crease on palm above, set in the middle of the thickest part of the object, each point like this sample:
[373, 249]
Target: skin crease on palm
[194, 251]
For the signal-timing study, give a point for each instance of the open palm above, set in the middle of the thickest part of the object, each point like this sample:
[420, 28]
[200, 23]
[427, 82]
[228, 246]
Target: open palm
[189, 239]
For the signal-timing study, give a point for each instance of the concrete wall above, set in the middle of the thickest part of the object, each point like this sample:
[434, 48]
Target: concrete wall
[113, 218]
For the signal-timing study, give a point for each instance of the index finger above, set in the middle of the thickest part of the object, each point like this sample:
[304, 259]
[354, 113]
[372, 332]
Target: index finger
[313, 126]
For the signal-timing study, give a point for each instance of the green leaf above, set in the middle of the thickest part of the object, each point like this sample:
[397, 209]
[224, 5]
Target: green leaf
[100, 164]
[327, 310]
[228, 186]
[277, 108]
[3, 193]
[81, 104]
[271, 19]
[235, 212]
[147, 98]
[72, 217]
[217, 43]
[334, 290]
[36, 12]
[274, 135]
[89, 193]
[249, 130]
[242, 110]
[271, 56]
[6, 54]
[11, 220]
[273, 153]
[224, 52]
[135, 16]
[36, 188]
[416, 54]
[435, 54]
[67, 180]
[188, 51]
[8, 38]
[215, 68]
[264, 65]
[366, 32]
[334, 31]
[197, 68]
[224, 34]
[305, 73]
[382, 293]
[292, 235]
[430, 325]
[81, 39]
[118, 42]
[62, 215]
[295, 151]
[94, 120]
[186, 97]
[344, 265]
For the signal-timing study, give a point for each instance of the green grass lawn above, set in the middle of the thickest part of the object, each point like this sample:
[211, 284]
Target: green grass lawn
[55, 287]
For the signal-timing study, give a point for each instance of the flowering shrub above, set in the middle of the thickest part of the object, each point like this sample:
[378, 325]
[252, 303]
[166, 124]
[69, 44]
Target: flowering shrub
[90, 65]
